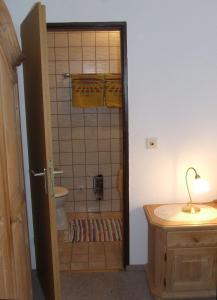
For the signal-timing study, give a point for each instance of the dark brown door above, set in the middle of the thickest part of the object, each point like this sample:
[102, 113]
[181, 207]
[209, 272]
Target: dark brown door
[34, 43]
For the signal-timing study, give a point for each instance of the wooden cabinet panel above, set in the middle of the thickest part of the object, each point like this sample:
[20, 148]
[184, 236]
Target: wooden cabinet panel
[182, 258]
[191, 269]
[205, 238]
[15, 276]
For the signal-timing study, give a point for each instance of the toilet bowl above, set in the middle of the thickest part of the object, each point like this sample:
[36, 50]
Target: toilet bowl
[60, 193]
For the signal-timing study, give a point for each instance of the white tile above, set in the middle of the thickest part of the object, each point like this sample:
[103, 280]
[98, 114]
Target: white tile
[65, 133]
[50, 39]
[69, 206]
[67, 182]
[115, 119]
[78, 158]
[61, 39]
[64, 107]
[77, 133]
[91, 170]
[53, 106]
[78, 146]
[107, 195]
[91, 145]
[107, 182]
[91, 157]
[104, 132]
[62, 82]
[114, 38]
[115, 194]
[56, 147]
[79, 170]
[104, 145]
[93, 206]
[115, 132]
[116, 157]
[64, 120]
[81, 206]
[66, 146]
[80, 195]
[77, 120]
[105, 170]
[114, 52]
[104, 120]
[90, 132]
[54, 121]
[65, 158]
[56, 158]
[74, 38]
[115, 144]
[88, 38]
[115, 168]
[67, 171]
[63, 94]
[104, 157]
[90, 195]
[102, 38]
[79, 182]
[61, 67]
[116, 205]
[55, 135]
[90, 120]
[105, 205]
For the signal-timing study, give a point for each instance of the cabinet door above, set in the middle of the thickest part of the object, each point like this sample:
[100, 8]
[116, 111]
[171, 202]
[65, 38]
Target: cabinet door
[191, 269]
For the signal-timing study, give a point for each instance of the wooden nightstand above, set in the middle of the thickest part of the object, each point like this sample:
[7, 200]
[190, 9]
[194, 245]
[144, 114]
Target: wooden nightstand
[182, 257]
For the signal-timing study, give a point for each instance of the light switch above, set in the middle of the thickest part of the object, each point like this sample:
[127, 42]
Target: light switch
[151, 143]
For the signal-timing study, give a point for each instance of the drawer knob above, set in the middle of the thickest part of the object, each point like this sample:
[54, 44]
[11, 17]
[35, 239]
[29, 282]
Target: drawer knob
[195, 240]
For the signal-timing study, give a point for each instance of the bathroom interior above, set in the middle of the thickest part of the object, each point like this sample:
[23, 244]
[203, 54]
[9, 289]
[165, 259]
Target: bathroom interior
[87, 138]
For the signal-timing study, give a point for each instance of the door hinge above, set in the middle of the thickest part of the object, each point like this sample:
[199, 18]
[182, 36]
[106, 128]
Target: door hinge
[165, 282]
[165, 256]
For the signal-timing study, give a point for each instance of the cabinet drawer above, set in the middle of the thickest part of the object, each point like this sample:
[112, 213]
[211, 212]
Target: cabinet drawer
[202, 238]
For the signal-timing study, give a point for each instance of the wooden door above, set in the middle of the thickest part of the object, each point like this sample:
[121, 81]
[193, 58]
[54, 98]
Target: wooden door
[15, 278]
[34, 43]
[191, 269]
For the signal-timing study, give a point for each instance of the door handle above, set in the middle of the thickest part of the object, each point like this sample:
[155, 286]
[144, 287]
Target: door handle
[39, 175]
[58, 172]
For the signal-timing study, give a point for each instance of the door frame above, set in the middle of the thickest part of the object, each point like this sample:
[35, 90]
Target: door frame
[122, 27]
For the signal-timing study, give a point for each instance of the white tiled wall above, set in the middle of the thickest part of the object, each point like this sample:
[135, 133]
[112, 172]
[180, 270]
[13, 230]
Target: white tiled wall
[86, 142]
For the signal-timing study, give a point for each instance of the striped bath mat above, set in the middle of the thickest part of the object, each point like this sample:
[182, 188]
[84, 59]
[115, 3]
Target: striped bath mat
[94, 230]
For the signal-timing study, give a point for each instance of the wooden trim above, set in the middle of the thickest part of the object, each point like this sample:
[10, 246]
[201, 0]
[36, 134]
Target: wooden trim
[8, 38]
[122, 26]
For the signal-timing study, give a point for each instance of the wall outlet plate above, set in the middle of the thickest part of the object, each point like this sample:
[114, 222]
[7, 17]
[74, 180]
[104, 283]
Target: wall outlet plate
[151, 143]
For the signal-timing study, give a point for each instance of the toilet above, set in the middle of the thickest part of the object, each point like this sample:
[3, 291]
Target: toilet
[60, 196]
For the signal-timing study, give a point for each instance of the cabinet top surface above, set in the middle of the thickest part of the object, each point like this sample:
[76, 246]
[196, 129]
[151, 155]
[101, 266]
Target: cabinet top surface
[157, 221]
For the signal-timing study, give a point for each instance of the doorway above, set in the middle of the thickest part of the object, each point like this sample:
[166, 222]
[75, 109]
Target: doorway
[90, 144]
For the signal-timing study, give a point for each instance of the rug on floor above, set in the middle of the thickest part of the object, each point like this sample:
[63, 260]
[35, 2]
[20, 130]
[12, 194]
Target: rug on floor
[94, 230]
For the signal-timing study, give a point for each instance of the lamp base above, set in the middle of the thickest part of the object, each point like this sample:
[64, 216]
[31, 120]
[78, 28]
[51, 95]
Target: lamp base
[191, 208]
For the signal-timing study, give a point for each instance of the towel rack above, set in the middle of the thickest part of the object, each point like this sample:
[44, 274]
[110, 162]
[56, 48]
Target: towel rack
[69, 75]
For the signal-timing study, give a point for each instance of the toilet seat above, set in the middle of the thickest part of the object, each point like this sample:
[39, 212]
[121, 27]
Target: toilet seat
[60, 191]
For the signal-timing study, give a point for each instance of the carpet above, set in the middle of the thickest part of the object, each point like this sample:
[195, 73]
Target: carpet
[94, 230]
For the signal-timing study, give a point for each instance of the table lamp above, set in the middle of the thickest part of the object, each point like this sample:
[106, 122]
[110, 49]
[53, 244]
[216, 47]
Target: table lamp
[200, 185]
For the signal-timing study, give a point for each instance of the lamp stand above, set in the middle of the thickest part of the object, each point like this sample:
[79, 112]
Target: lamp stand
[190, 207]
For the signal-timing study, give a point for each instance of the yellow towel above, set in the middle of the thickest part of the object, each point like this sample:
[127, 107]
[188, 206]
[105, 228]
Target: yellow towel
[113, 90]
[87, 90]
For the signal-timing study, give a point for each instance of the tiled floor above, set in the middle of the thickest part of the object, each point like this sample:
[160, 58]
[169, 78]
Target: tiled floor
[90, 256]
